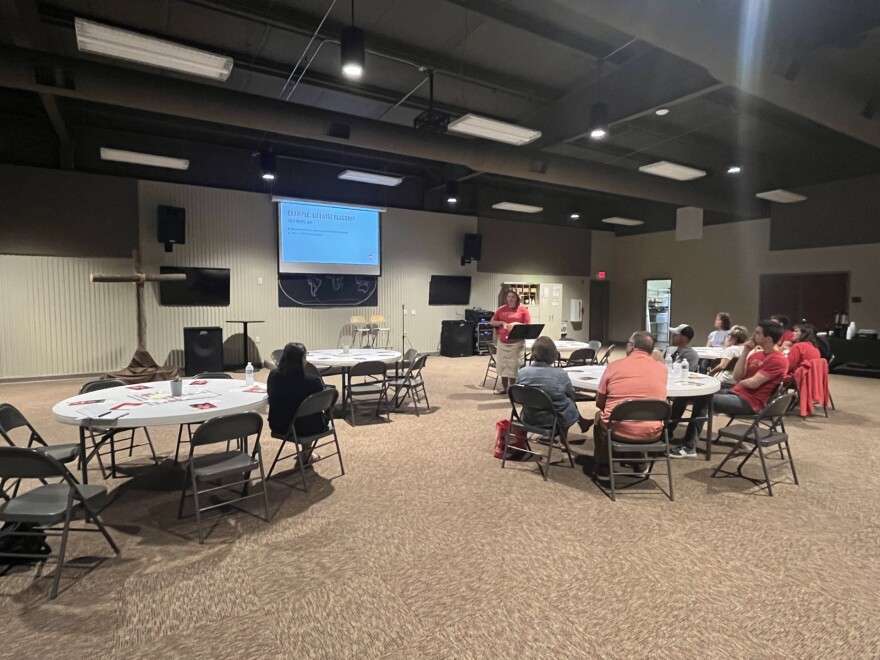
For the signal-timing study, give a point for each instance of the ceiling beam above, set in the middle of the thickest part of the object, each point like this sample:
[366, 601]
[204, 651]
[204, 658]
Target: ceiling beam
[736, 49]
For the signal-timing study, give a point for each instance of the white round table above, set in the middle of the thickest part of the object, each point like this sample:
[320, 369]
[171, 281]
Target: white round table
[151, 404]
[335, 357]
[562, 345]
[709, 352]
[587, 378]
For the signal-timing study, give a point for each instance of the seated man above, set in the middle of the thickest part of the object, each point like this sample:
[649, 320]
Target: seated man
[637, 376]
[757, 378]
[681, 338]
[554, 382]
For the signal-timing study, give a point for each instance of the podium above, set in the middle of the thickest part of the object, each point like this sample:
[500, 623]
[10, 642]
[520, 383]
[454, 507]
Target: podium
[526, 331]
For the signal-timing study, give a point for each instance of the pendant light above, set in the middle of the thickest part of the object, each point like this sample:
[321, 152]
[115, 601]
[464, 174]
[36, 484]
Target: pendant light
[353, 50]
[599, 111]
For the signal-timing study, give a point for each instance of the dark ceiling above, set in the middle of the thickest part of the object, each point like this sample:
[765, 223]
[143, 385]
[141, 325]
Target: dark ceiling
[789, 90]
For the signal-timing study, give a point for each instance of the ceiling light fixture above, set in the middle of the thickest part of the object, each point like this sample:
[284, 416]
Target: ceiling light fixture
[137, 158]
[781, 196]
[370, 177]
[734, 169]
[574, 215]
[452, 193]
[268, 166]
[626, 222]
[661, 112]
[598, 121]
[353, 50]
[670, 170]
[101, 39]
[492, 129]
[517, 208]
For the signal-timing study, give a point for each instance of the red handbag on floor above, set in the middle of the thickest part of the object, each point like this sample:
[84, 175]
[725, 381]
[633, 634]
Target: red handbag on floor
[518, 440]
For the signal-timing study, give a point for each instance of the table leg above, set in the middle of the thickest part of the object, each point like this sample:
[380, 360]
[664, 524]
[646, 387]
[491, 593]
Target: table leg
[84, 463]
[244, 346]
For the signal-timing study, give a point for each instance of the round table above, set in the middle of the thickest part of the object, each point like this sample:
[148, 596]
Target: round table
[151, 404]
[588, 377]
[338, 358]
[562, 345]
[709, 352]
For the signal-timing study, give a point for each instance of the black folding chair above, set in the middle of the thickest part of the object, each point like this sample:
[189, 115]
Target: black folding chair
[412, 384]
[372, 388]
[213, 468]
[111, 435]
[638, 410]
[205, 375]
[319, 403]
[766, 430]
[580, 358]
[48, 505]
[552, 437]
[492, 366]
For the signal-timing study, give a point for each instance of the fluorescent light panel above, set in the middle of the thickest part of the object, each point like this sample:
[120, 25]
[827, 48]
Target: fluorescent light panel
[369, 177]
[518, 208]
[626, 222]
[101, 39]
[670, 170]
[492, 129]
[781, 196]
[137, 158]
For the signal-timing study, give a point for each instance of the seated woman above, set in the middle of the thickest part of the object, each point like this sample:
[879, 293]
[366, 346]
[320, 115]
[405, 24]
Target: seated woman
[787, 333]
[554, 382]
[288, 386]
[804, 347]
[733, 348]
[719, 334]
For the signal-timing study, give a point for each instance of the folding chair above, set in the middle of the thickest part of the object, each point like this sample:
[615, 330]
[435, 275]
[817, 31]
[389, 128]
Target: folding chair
[765, 431]
[411, 384]
[606, 355]
[108, 434]
[492, 366]
[11, 420]
[205, 375]
[372, 388]
[47, 506]
[552, 437]
[407, 359]
[639, 410]
[319, 403]
[213, 468]
[276, 355]
[580, 358]
[594, 344]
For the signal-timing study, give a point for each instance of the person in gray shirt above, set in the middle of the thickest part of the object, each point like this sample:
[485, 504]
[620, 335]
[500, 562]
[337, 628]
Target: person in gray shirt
[681, 338]
[554, 382]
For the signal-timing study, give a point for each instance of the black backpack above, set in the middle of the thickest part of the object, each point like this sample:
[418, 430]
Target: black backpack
[12, 542]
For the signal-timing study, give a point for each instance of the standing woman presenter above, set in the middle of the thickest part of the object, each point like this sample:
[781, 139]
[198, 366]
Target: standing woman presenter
[511, 352]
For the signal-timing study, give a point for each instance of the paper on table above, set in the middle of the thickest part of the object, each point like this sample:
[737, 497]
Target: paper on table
[100, 412]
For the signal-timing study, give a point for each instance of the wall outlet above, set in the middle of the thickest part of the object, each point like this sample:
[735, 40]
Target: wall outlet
[406, 312]
[259, 280]
[413, 312]
[257, 340]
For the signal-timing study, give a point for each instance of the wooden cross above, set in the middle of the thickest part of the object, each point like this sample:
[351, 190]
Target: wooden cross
[139, 277]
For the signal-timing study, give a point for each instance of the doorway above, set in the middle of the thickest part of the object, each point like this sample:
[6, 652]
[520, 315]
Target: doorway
[658, 307]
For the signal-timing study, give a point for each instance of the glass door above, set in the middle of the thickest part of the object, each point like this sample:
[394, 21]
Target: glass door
[658, 304]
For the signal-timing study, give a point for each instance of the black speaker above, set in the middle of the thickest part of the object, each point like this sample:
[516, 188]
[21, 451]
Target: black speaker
[202, 350]
[172, 226]
[456, 338]
[473, 246]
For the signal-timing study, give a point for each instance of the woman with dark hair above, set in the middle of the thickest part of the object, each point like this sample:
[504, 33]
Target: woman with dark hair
[719, 334]
[805, 346]
[511, 352]
[787, 333]
[288, 386]
[556, 384]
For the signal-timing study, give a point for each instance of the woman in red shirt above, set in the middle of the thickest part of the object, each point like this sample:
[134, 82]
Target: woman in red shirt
[511, 352]
[804, 347]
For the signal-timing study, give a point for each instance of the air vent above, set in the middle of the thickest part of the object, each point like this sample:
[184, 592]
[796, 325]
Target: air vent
[53, 77]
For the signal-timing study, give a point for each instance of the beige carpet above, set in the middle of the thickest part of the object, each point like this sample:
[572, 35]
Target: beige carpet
[426, 548]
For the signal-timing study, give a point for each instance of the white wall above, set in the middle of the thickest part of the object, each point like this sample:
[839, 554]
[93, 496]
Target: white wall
[721, 272]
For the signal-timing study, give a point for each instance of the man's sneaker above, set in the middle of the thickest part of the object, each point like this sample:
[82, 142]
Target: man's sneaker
[683, 452]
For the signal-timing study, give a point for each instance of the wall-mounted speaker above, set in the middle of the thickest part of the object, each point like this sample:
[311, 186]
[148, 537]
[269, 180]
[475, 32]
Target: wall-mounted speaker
[473, 248]
[202, 350]
[172, 226]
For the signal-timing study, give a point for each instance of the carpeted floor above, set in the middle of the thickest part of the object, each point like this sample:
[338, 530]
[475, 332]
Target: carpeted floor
[426, 548]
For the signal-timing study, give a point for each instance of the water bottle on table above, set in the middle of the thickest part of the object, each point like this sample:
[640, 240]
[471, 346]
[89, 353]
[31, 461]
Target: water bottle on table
[249, 374]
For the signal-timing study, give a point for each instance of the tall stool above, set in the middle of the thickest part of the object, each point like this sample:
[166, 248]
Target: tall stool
[361, 330]
[379, 326]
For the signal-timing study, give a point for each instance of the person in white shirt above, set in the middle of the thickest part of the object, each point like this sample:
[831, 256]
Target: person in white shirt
[733, 348]
[722, 327]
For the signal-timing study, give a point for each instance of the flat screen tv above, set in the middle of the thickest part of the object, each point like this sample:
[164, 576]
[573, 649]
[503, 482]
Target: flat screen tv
[449, 290]
[316, 238]
[203, 287]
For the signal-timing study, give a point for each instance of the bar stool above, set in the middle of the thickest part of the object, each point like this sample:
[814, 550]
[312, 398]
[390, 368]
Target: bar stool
[379, 326]
[361, 330]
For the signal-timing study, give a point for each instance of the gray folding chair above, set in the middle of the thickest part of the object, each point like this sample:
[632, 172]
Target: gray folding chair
[99, 435]
[550, 437]
[606, 355]
[370, 390]
[319, 403]
[213, 468]
[412, 384]
[492, 366]
[407, 359]
[276, 355]
[595, 345]
[11, 420]
[638, 410]
[47, 506]
[765, 431]
[205, 375]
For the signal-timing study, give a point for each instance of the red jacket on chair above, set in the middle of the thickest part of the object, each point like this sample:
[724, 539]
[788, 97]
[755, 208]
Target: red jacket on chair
[811, 379]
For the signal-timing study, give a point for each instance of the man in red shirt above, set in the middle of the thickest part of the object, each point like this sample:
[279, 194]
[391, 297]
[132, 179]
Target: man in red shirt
[637, 376]
[757, 377]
